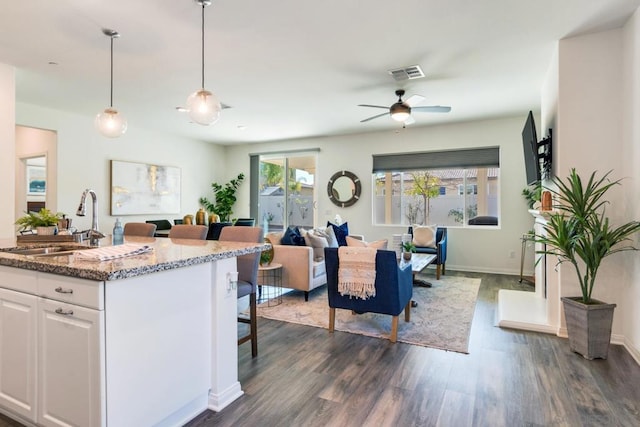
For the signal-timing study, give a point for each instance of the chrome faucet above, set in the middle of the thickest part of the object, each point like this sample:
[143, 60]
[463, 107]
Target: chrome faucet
[93, 234]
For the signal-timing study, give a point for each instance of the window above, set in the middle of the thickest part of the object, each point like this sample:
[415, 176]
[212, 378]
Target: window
[436, 195]
[285, 192]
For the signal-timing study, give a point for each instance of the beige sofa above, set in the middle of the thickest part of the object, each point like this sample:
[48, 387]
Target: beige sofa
[299, 270]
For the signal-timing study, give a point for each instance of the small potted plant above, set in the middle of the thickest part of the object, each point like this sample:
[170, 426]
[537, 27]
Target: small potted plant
[44, 221]
[407, 249]
[579, 233]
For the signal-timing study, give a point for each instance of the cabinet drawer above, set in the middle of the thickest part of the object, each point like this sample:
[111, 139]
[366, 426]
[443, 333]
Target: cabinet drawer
[18, 279]
[82, 292]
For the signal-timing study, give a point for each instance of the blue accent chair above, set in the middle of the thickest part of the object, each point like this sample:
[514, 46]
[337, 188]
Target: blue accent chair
[394, 289]
[440, 250]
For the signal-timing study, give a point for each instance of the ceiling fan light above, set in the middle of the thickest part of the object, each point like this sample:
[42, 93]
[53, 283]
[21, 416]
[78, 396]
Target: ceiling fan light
[203, 106]
[400, 112]
[400, 116]
[111, 123]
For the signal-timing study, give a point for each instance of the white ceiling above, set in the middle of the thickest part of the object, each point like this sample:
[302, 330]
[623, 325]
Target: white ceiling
[291, 68]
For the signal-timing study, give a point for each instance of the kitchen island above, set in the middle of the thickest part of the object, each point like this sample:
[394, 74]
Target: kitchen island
[144, 340]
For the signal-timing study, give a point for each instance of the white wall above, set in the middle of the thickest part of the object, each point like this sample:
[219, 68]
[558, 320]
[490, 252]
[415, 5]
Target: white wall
[590, 139]
[7, 146]
[84, 155]
[480, 249]
[629, 304]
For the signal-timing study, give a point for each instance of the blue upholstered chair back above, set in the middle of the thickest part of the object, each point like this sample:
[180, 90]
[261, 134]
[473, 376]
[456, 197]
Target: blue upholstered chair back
[441, 245]
[394, 285]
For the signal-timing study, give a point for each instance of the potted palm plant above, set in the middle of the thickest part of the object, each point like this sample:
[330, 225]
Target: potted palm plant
[579, 233]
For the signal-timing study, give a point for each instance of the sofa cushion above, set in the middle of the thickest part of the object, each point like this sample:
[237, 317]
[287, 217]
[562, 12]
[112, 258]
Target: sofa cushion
[319, 269]
[341, 231]
[425, 235]
[378, 244]
[318, 242]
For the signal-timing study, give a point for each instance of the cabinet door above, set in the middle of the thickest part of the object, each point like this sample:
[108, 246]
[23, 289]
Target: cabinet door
[18, 322]
[70, 365]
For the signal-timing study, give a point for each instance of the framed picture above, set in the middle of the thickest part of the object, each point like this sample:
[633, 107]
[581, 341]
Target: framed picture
[36, 180]
[141, 189]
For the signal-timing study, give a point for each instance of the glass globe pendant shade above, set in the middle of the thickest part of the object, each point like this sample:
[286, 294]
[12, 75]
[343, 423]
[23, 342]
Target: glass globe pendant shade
[203, 106]
[111, 123]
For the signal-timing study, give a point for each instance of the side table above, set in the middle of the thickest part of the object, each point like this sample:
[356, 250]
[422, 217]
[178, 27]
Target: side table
[270, 276]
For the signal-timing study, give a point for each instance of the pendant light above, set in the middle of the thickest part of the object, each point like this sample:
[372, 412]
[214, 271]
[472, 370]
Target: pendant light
[203, 106]
[110, 122]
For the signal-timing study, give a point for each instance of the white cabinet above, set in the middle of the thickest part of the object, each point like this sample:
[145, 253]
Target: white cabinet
[70, 365]
[18, 320]
[52, 348]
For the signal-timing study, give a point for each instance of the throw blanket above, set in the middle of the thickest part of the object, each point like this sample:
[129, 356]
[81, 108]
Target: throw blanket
[357, 271]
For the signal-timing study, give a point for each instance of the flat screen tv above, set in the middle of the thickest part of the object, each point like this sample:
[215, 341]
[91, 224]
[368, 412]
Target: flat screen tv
[530, 149]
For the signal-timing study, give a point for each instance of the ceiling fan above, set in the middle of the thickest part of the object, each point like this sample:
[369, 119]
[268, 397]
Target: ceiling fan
[401, 110]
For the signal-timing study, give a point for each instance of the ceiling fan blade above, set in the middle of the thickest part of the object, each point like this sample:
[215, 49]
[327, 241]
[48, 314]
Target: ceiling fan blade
[373, 106]
[410, 121]
[414, 100]
[432, 109]
[374, 117]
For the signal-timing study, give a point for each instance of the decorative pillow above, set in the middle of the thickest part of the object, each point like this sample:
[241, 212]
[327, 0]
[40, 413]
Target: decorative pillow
[332, 240]
[341, 231]
[274, 237]
[318, 243]
[424, 235]
[378, 244]
[292, 237]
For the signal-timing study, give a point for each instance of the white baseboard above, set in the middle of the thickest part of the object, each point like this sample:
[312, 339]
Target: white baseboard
[480, 269]
[633, 351]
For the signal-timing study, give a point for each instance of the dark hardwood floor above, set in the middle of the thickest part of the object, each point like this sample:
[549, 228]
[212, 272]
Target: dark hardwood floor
[305, 376]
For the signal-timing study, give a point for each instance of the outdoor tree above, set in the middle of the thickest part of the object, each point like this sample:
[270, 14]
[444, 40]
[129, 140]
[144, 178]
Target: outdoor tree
[426, 186]
[272, 174]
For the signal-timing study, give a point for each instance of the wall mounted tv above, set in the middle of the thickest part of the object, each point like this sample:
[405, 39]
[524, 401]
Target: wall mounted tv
[537, 154]
[530, 147]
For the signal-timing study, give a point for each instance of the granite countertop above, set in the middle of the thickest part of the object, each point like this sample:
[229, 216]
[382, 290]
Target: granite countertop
[167, 254]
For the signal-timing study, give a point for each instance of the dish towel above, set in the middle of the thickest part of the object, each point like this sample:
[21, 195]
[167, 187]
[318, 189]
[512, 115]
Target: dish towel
[112, 252]
[357, 271]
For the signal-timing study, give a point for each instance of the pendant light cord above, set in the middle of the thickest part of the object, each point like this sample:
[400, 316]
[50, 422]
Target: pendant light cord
[111, 95]
[203, 6]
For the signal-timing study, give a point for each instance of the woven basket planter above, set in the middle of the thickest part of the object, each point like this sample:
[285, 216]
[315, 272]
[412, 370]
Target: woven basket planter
[588, 327]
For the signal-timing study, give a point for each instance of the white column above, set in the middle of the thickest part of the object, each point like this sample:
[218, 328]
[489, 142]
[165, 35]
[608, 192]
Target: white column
[8, 149]
[225, 387]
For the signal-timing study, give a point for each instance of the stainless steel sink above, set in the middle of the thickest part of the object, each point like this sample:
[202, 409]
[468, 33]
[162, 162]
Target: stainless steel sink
[47, 251]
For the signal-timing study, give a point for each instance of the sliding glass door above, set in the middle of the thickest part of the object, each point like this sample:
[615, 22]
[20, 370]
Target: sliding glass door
[286, 191]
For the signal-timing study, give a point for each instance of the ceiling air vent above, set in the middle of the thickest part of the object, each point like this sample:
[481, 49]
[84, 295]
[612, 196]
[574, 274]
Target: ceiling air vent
[407, 73]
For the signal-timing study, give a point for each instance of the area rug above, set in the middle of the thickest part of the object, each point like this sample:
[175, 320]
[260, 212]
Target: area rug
[441, 320]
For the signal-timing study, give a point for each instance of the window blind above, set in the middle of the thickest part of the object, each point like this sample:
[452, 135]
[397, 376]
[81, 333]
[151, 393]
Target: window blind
[466, 158]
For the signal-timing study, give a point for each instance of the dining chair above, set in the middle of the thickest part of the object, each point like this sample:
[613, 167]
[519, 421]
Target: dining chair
[161, 224]
[247, 278]
[139, 229]
[246, 222]
[184, 231]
